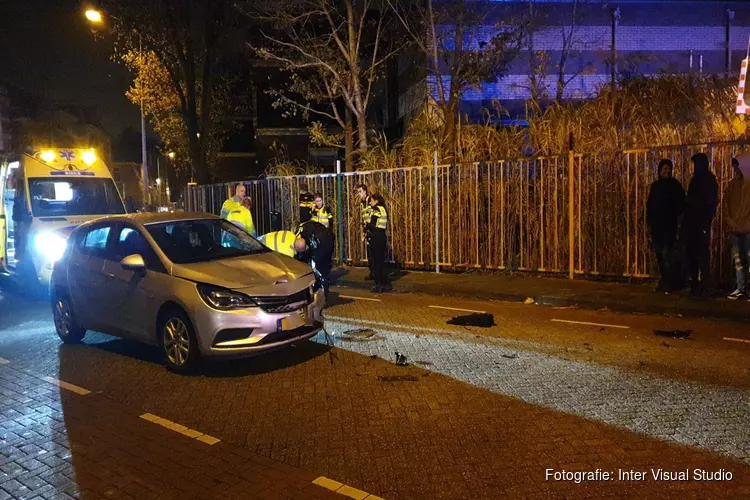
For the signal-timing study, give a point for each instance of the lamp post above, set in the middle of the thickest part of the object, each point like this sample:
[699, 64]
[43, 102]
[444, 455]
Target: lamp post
[95, 17]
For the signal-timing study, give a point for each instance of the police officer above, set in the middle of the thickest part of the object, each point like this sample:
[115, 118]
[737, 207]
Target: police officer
[242, 217]
[365, 213]
[306, 203]
[322, 214]
[376, 228]
[314, 245]
[280, 241]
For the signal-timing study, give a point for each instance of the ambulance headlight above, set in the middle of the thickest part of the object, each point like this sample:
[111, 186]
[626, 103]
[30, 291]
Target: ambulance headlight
[51, 245]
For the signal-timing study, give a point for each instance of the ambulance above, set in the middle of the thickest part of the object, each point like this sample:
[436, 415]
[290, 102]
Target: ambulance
[44, 195]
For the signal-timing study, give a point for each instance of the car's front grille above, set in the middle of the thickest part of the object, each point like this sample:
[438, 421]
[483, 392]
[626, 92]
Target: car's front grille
[286, 303]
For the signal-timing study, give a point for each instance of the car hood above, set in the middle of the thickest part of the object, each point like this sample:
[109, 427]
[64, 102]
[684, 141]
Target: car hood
[262, 271]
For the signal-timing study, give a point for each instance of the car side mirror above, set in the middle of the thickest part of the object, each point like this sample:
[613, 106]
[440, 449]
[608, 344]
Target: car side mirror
[133, 263]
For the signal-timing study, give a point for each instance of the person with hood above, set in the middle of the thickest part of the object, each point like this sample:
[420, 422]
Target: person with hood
[666, 201]
[737, 212]
[700, 209]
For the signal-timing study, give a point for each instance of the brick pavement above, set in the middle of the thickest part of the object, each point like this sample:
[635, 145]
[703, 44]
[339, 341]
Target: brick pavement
[418, 435]
[58, 444]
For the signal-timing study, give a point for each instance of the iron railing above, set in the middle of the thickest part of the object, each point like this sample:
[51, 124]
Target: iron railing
[507, 214]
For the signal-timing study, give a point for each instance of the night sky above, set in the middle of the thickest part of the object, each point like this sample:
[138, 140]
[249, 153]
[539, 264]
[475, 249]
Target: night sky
[47, 49]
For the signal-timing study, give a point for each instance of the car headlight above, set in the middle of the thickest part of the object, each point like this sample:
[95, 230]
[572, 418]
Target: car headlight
[51, 245]
[223, 298]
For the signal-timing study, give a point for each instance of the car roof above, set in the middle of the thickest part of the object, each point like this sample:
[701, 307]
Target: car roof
[145, 218]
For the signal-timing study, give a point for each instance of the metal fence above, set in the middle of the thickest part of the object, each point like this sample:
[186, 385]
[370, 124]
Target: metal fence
[507, 214]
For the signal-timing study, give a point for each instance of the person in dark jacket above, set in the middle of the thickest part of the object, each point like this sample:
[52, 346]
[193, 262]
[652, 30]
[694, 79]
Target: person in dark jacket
[666, 201]
[314, 245]
[306, 203]
[700, 209]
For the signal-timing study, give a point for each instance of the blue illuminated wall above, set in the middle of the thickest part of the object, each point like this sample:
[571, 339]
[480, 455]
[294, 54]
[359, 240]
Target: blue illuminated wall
[642, 37]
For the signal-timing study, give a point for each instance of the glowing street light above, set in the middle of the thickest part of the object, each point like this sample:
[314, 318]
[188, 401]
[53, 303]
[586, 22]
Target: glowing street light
[171, 155]
[94, 16]
[158, 181]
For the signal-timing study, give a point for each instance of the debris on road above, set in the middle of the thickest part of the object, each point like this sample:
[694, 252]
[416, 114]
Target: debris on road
[673, 334]
[510, 356]
[364, 332]
[359, 335]
[484, 320]
[399, 378]
[529, 300]
[401, 359]
[423, 363]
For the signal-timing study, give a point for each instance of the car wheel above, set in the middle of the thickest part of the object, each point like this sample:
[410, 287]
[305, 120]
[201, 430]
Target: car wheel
[178, 343]
[65, 321]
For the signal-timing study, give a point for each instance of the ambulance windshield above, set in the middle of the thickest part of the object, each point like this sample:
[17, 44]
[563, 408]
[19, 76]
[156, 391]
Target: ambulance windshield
[74, 196]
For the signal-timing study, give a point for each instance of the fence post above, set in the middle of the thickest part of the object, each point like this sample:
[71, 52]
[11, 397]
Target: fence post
[340, 210]
[571, 211]
[437, 217]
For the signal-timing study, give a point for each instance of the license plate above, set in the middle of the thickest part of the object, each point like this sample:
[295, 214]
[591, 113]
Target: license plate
[293, 321]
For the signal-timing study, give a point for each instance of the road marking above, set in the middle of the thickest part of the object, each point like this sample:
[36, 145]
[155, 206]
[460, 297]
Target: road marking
[4, 361]
[345, 490]
[731, 339]
[173, 426]
[65, 385]
[589, 324]
[359, 298]
[458, 309]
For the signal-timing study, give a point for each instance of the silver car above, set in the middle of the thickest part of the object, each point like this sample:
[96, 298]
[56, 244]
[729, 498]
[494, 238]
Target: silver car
[194, 285]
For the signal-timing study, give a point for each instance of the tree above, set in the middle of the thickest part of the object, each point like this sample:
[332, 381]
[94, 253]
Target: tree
[452, 40]
[334, 51]
[183, 38]
[152, 88]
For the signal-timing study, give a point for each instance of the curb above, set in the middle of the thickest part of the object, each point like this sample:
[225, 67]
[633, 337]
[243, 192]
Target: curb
[710, 308]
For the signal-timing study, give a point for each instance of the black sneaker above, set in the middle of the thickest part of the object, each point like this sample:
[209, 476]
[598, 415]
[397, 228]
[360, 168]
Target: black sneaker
[387, 288]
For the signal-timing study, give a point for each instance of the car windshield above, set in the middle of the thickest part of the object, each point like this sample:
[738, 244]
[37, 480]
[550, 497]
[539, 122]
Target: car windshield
[68, 197]
[189, 241]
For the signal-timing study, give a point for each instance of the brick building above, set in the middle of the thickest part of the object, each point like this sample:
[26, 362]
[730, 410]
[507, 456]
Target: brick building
[603, 41]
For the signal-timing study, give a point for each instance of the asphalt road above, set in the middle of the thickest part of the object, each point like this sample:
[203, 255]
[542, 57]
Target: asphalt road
[477, 411]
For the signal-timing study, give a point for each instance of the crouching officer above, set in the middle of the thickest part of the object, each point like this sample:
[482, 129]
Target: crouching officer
[280, 241]
[314, 245]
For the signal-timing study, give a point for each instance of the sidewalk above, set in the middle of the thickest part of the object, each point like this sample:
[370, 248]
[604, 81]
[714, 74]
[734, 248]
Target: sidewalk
[554, 291]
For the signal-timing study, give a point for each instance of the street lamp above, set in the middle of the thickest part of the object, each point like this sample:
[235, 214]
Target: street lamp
[96, 17]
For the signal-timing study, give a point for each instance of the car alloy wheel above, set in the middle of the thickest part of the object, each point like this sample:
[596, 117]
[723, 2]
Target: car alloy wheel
[176, 339]
[65, 323]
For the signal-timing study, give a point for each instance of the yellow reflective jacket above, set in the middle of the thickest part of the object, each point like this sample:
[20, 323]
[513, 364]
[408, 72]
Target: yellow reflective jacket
[322, 216]
[280, 241]
[243, 218]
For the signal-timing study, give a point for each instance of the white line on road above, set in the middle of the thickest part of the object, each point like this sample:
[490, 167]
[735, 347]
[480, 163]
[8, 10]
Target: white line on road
[172, 426]
[4, 361]
[736, 340]
[589, 324]
[359, 298]
[457, 309]
[65, 385]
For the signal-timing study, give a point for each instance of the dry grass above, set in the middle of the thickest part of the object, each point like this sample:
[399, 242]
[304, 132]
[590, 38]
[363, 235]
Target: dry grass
[643, 112]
